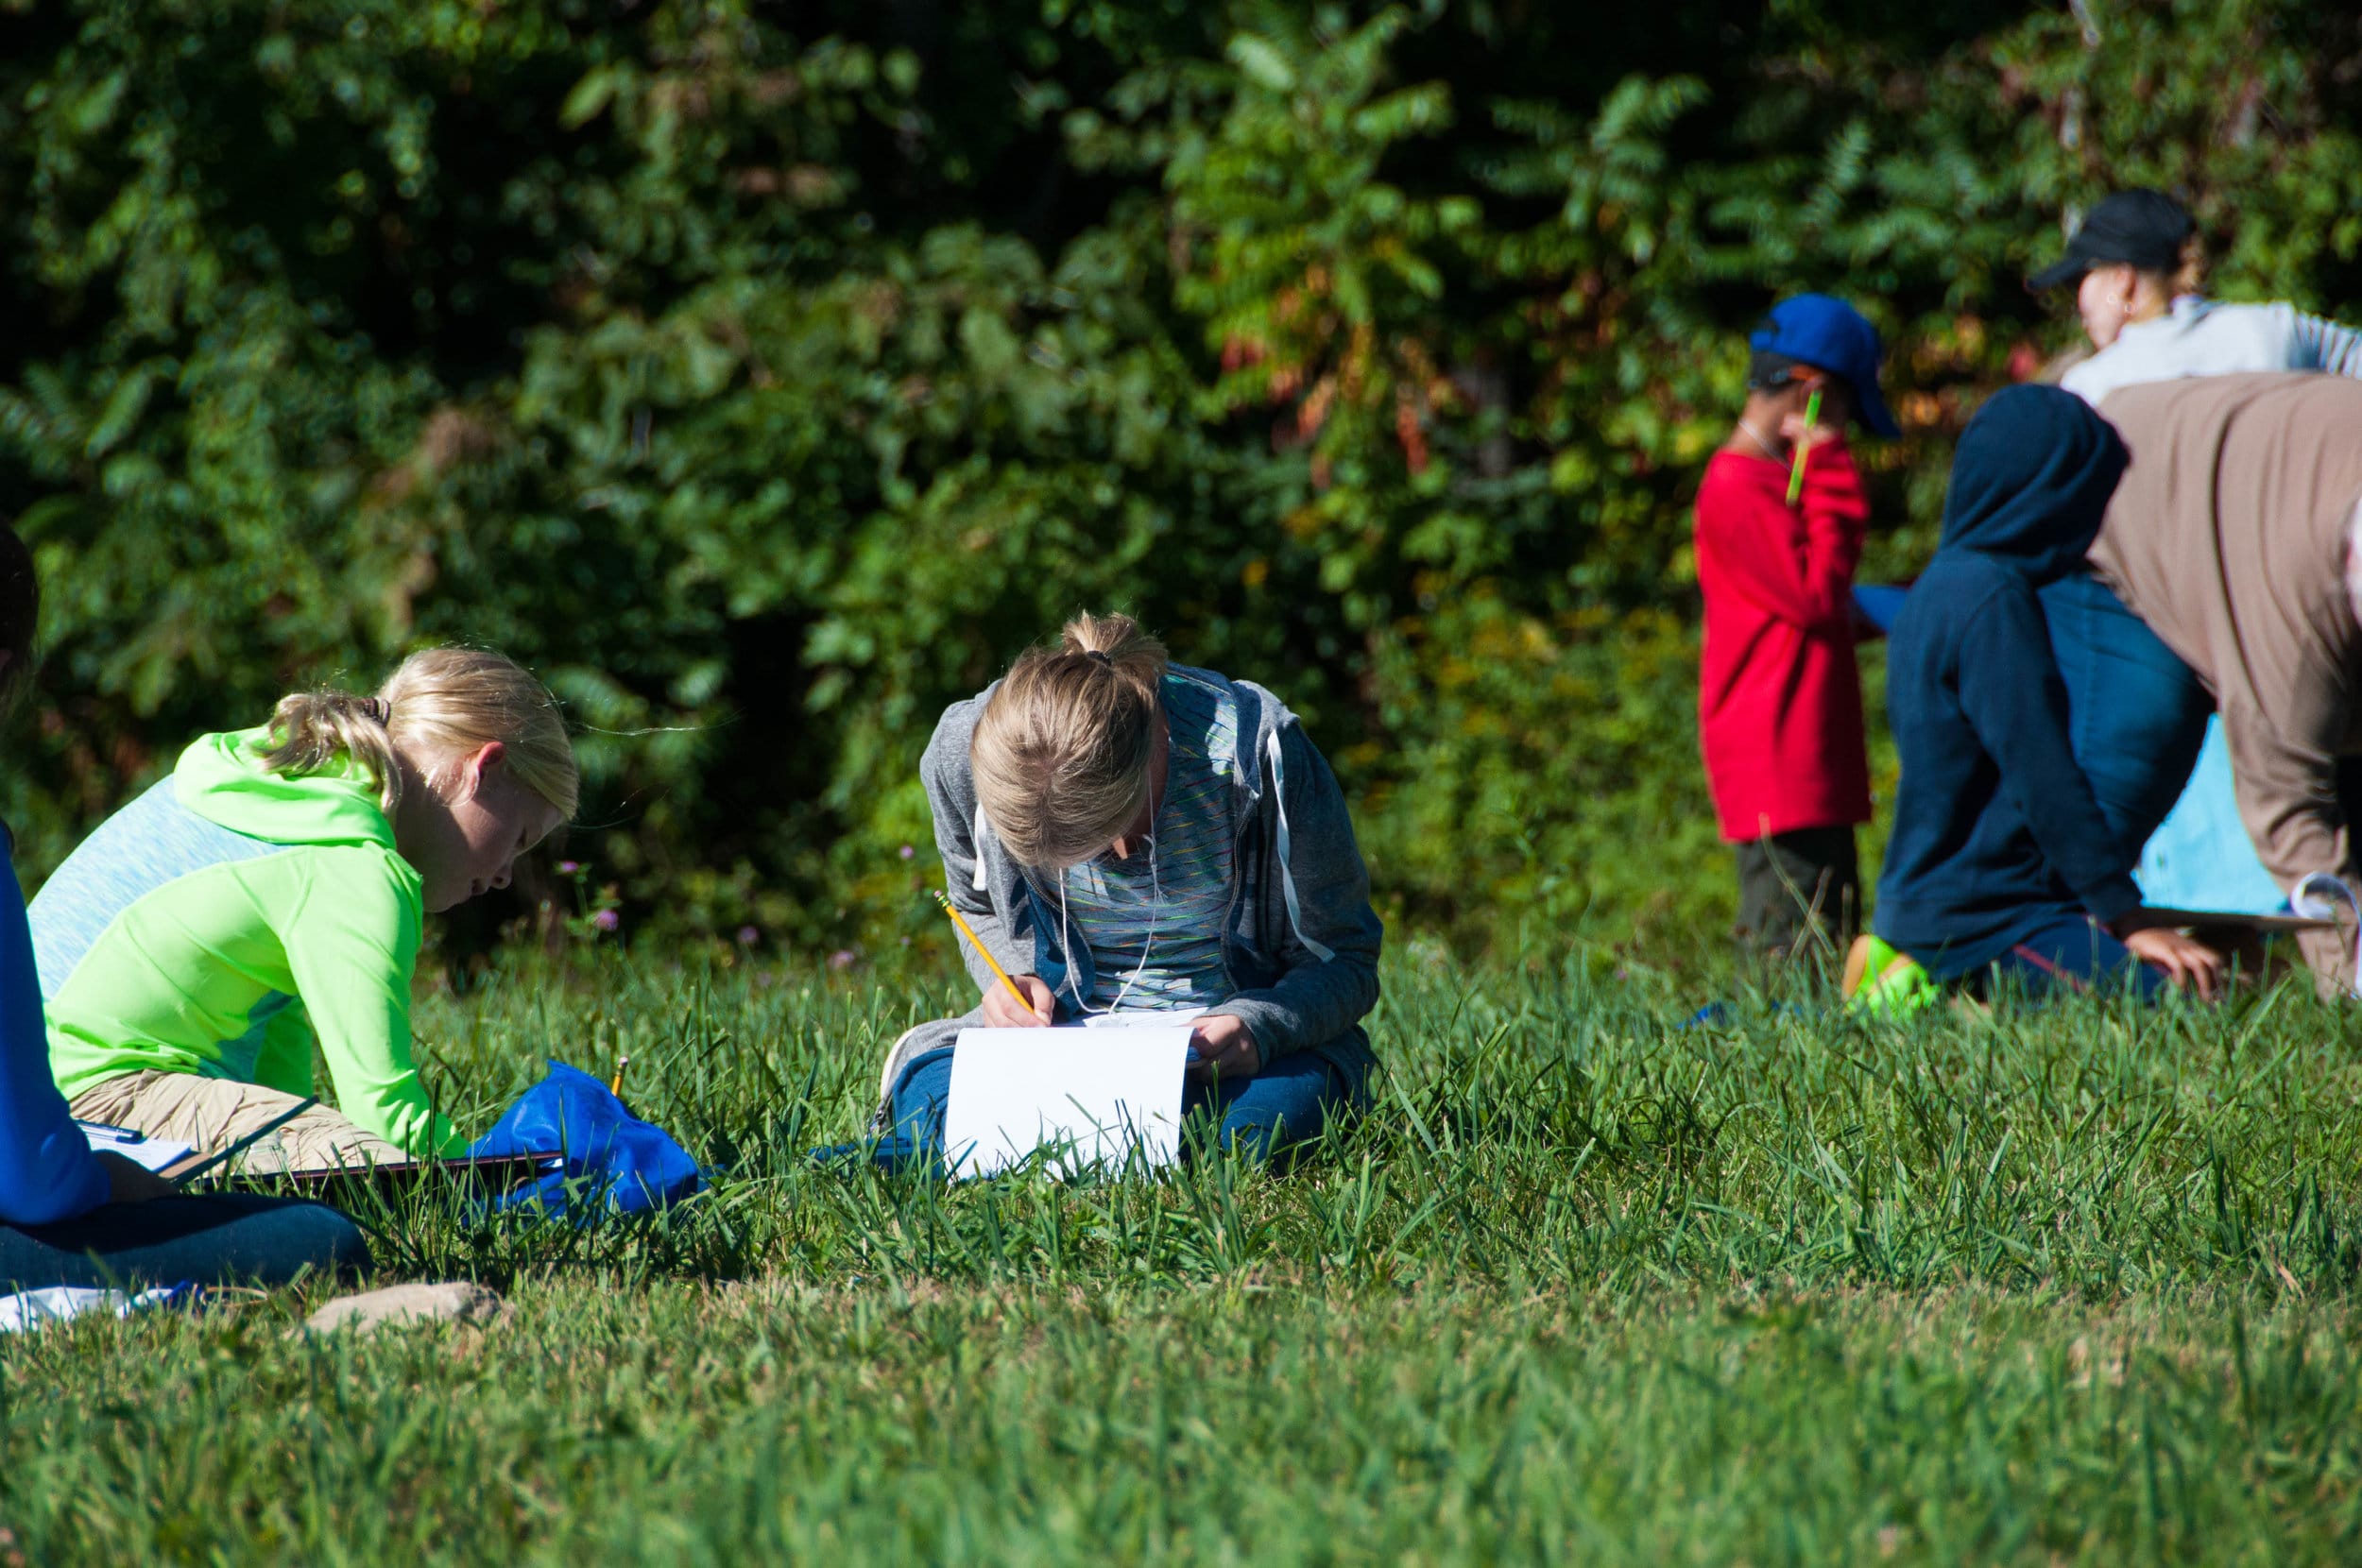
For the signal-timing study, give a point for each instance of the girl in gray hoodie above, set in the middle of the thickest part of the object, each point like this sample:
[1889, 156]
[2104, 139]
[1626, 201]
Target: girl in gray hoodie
[1126, 833]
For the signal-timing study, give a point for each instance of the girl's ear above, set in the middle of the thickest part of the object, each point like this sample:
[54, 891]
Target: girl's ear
[478, 766]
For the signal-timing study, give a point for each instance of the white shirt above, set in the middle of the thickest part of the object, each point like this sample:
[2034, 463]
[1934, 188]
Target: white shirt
[2199, 337]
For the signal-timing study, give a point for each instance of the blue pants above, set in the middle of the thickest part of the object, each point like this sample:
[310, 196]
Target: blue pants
[2136, 715]
[2070, 953]
[1286, 1104]
[229, 1238]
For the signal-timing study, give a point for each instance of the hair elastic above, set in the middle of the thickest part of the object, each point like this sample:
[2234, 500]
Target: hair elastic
[380, 710]
[1100, 656]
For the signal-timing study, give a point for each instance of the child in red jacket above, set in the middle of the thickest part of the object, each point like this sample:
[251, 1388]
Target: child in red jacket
[1779, 702]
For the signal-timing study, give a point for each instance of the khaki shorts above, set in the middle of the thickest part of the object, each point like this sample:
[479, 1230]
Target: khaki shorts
[212, 1114]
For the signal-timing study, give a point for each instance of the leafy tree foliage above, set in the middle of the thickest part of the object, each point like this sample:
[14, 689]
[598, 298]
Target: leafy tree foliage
[767, 376]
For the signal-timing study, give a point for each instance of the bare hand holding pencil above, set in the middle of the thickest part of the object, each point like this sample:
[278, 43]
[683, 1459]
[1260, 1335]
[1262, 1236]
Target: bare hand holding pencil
[1033, 1008]
[1003, 1011]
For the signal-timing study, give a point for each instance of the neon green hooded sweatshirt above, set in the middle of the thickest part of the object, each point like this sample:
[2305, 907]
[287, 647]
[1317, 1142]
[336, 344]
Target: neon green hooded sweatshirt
[218, 921]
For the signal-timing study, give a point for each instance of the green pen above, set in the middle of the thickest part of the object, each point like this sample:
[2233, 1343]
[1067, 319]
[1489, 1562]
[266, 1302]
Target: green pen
[1796, 474]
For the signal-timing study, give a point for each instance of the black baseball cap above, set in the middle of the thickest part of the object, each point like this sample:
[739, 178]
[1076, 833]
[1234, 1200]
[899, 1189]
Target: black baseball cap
[2145, 229]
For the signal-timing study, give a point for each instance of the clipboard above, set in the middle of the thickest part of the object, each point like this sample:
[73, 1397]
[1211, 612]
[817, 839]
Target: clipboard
[498, 1172]
[492, 1172]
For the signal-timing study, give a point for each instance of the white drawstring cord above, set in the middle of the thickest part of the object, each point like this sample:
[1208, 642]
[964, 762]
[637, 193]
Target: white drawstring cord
[1148, 943]
[1287, 874]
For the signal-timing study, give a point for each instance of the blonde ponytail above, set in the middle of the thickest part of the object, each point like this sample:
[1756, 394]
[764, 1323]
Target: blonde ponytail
[441, 703]
[309, 730]
[1061, 751]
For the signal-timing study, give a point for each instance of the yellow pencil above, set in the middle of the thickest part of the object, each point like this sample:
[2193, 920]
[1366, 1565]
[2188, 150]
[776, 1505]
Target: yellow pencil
[968, 932]
[616, 1088]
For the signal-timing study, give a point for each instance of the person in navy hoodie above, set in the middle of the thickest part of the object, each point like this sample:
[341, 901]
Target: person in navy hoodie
[2001, 865]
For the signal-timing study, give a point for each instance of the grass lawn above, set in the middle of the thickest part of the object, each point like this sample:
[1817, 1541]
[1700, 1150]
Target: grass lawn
[2075, 1285]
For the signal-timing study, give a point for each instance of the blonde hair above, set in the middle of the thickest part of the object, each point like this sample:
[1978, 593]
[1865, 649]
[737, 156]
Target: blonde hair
[1061, 753]
[440, 702]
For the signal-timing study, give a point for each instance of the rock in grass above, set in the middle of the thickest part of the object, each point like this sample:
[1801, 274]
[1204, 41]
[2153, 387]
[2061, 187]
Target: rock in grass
[454, 1302]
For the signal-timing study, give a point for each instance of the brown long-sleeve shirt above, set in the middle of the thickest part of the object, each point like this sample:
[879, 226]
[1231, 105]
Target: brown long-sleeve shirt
[2229, 536]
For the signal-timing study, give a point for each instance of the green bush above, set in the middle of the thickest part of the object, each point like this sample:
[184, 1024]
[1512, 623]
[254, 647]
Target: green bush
[767, 391]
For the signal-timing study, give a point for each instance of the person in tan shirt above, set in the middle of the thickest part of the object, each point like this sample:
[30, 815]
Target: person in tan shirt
[2233, 535]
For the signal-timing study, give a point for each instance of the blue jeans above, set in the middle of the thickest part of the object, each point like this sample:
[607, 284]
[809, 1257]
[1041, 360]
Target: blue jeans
[228, 1238]
[2070, 954]
[2136, 716]
[1286, 1104]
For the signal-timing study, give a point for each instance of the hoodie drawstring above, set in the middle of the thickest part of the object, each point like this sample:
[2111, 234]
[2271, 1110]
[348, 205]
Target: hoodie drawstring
[1287, 876]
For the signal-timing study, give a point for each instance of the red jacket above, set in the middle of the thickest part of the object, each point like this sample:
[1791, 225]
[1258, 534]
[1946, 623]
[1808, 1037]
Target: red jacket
[1779, 700]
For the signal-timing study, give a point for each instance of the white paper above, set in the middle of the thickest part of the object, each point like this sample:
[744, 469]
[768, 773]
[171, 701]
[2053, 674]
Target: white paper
[30, 1309]
[1099, 1099]
[154, 1153]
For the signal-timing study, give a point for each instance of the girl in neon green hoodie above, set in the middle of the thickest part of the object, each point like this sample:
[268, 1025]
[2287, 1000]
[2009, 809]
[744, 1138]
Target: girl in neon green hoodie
[270, 891]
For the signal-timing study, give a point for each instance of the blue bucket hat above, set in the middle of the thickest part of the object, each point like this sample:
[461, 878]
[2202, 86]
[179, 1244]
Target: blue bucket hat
[1831, 336]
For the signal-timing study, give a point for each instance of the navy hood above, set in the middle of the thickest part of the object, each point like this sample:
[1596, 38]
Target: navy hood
[2031, 482]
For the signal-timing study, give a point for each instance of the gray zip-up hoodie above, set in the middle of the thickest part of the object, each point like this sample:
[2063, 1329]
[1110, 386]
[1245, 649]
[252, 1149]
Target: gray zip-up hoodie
[1301, 941]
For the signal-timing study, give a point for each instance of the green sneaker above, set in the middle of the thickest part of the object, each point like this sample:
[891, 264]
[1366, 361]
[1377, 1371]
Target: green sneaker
[1883, 982]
